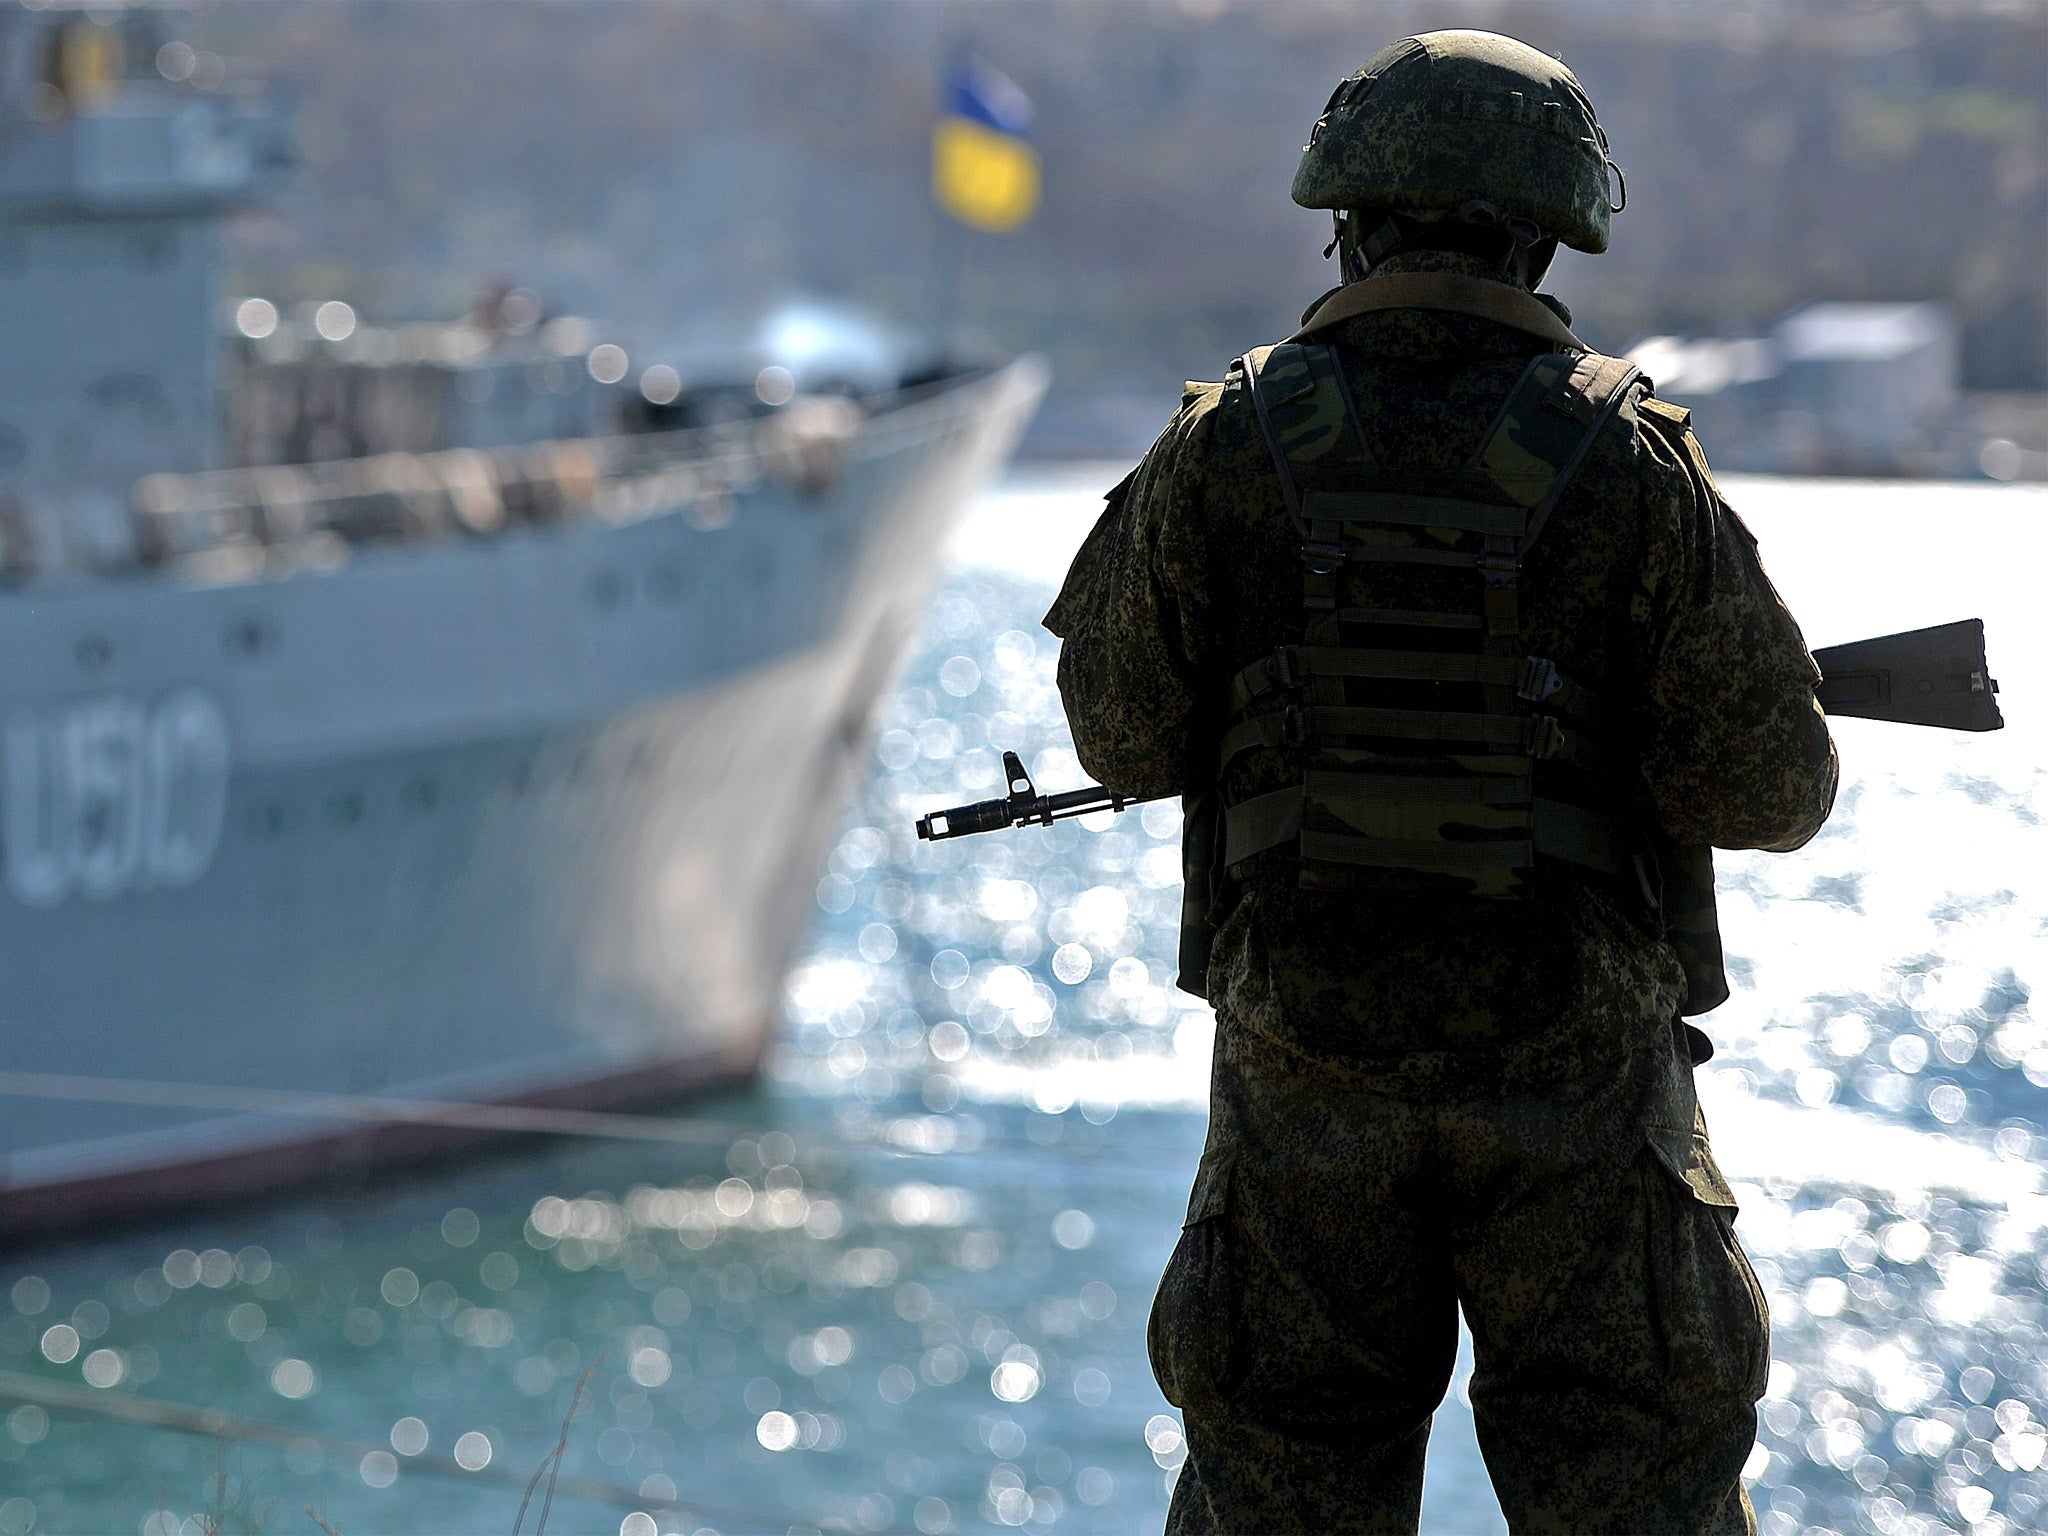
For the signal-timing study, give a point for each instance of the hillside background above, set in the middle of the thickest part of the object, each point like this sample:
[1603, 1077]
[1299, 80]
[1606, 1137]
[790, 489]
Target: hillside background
[676, 168]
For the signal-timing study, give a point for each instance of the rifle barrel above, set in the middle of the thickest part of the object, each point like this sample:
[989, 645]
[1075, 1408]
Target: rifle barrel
[1017, 811]
[967, 820]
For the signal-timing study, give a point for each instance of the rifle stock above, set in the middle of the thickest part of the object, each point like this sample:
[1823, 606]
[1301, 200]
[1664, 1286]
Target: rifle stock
[1936, 676]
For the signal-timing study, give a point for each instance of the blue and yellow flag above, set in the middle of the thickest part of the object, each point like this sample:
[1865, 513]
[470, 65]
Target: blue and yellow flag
[984, 170]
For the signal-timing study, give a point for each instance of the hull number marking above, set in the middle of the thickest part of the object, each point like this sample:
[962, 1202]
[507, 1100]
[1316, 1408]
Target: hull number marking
[106, 795]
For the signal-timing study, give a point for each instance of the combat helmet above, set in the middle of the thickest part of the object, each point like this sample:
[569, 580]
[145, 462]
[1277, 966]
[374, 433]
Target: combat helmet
[1472, 121]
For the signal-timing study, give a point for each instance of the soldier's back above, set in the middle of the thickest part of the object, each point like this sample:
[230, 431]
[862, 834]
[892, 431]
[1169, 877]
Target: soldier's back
[1440, 995]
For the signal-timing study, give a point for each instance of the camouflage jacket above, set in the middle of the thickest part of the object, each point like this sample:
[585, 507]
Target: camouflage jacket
[1645, 586]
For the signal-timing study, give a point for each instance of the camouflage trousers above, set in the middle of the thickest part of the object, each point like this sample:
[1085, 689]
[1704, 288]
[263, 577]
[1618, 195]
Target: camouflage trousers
[1306, 1325]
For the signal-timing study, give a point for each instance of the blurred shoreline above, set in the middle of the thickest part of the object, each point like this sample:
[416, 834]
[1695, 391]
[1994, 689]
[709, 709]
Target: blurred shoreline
[677, 169]
[905, 1285]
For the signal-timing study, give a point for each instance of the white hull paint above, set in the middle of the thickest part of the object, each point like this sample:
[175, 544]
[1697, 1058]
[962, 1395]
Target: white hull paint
[533, 818]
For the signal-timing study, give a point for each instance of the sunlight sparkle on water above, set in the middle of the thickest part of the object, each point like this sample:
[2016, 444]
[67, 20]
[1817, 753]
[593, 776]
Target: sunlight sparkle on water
[909, 1289]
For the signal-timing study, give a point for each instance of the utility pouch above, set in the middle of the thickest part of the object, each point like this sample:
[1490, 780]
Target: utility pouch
[1692, 924]
[1202, 873]
[1192, 1335]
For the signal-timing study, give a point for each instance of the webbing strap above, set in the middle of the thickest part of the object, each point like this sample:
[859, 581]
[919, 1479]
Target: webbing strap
[1416, 511]
[1558, 830]
[1262, 822]
[1310, 410]
[1322, 561]
[1531, 452]
[1494, 791]
[1537, 736]
[1408, 618]
[1370, 554]
[1524, 446]
[1602, 384]
[1249, 366]
[1292, 663]
[1528, 735]
[1527, 458]
[1440, 858]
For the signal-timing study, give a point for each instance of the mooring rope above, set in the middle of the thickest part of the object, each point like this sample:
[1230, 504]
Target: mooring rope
[217, 1424]
[454, 1113]
[505, 1119]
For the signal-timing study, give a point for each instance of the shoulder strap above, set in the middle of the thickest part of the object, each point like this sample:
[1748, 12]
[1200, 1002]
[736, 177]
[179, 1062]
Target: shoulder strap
[1443, 290]
[1547, 426]
[1247, 368]
[1531, 451]
[1592, 394]
[1306, 415]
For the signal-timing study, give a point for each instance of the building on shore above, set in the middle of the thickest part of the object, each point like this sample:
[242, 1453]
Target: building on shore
[1848, 389]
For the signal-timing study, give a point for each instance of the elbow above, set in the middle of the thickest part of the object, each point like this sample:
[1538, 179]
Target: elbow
[1124, 767]
[1817, 803]
[1806, 797]
[1130, 734]
[1773, 794]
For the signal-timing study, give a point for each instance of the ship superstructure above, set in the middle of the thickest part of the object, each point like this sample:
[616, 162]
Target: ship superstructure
[425, 713]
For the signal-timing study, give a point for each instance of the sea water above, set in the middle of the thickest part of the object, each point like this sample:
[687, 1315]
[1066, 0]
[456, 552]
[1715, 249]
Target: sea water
[901, 1285]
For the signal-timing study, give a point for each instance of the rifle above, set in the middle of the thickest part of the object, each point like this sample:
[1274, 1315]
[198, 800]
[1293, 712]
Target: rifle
[1022, 807]
[1935, 677]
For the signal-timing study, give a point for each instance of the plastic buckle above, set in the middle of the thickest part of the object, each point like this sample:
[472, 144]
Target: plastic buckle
[1539, 679]
[1500, 570]
[1296, 723]
[1322, 557]
[1544, 737]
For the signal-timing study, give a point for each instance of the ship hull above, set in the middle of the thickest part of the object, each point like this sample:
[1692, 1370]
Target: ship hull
[532, 820]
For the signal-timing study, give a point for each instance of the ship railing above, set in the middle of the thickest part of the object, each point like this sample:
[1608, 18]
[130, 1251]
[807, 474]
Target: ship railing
[235, 522]
[299, 510]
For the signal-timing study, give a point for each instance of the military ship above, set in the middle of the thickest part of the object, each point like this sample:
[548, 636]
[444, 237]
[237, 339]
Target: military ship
[420, 715]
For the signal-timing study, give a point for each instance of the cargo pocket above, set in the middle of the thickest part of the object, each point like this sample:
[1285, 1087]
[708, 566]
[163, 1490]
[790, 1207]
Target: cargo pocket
[1706, 1305]
[1191, 1335]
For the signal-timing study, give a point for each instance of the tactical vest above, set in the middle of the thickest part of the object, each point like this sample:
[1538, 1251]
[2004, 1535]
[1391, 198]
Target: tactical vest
[1441, 756]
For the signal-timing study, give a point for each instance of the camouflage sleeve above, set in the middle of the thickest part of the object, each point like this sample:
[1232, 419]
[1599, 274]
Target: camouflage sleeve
[1133, 613]
[1735, 748]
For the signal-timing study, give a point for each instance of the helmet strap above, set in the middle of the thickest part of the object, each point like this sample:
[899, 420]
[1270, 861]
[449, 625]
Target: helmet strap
[1480, 228]
[1393, 234]
[1338, 222]
[1358, 251]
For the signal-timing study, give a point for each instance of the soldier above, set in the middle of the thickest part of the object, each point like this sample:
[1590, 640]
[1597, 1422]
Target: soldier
[1436, 619]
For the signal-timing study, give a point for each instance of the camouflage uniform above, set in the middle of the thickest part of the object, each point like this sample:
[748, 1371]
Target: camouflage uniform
[1421, 1105]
